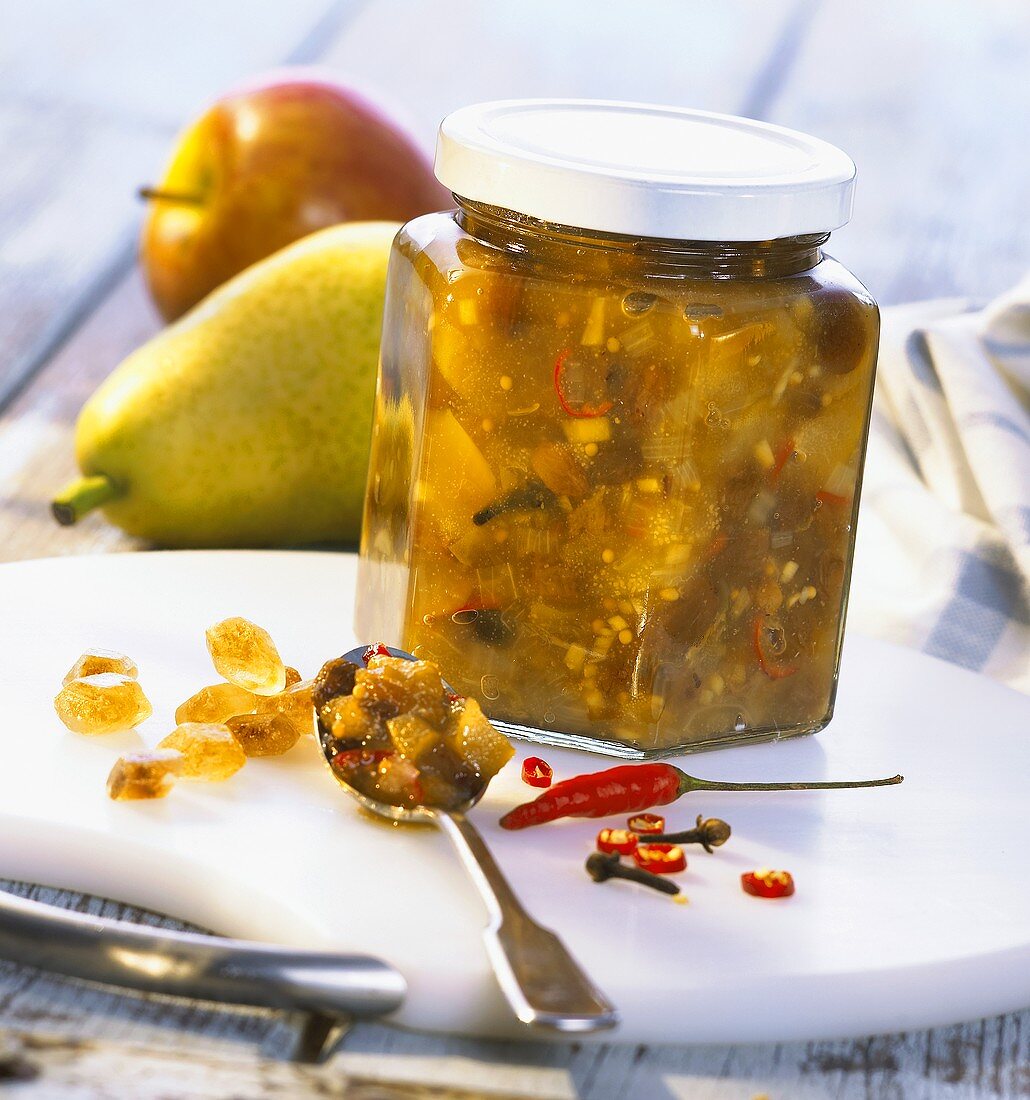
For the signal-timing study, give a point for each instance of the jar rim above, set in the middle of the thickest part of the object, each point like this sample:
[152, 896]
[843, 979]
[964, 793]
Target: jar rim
[644, 169]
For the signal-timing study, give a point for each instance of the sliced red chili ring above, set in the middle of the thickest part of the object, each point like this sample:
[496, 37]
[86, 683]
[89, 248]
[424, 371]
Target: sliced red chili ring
[770, 641]
[537, 772]
[360, 758]
[377, 649]
[768, 884]
[646, 823]
[617, 840]
[660, 859]
[586, 409]
[781, 457]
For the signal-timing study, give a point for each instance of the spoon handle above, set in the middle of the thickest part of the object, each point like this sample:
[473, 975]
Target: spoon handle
[542, 982]
[190, 964]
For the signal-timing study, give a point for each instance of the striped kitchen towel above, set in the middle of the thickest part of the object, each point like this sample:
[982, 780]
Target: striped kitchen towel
[943, 555]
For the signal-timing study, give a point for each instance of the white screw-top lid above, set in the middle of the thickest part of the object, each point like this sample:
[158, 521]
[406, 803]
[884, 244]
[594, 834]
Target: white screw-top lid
[645, 170]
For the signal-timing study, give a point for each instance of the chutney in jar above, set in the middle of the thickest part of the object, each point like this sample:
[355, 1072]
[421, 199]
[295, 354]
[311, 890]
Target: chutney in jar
[614, 476]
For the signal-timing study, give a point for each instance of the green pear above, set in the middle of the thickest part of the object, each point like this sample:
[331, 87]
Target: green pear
[247, 422]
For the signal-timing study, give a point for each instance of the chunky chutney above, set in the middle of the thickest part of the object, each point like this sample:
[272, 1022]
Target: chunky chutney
[614, 478]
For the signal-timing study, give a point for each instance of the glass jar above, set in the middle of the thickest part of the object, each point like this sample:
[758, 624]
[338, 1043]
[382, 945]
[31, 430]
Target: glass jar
[620, 425]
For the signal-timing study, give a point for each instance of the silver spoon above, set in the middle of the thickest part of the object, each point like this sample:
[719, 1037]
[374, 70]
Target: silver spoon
[541, 981]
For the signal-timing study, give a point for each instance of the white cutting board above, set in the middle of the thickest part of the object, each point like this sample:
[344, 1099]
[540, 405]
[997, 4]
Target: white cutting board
[912, 905]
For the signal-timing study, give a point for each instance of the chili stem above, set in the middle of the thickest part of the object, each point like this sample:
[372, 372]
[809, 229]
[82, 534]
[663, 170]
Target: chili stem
[691, 783]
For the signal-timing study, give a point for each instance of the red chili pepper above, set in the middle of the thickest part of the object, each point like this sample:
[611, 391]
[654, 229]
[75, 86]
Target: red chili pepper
[624, 789]
[826, 497]
[769, 642]
[786, 449]
[617, 840]
[768, 884]
[631, 788]
[377, 649]
[646, 823]
[660, 859]
[537, 772]
[585, 411]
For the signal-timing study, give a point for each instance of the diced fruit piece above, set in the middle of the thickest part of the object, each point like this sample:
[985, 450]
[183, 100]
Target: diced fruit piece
[215, 703]
[102, 703]
[457, 481]
[346, 719]
[474, 546]
[477, 742]
[397, 782]
[593, 333]
[209, 750]
[292, 676]
[437, 791]
[263, 734]
[295, 703]
[244, 654]
[451, 353]
[393, 685]
[412, 735]
[144, 775]
[443, 591]
[95, 661]
[558, 469]
[596, 429]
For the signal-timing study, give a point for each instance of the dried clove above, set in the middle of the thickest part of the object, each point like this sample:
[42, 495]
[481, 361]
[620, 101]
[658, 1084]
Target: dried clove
[602, 866]
[710, 833]
[532, 497]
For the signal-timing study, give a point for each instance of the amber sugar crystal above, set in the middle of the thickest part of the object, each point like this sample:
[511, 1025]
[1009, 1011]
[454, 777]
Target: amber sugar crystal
[244, 654]
[264, 734]
[95, 661]
[215, 703]
[144, 774]
[295, 703]
[102, 703]
[209, 750]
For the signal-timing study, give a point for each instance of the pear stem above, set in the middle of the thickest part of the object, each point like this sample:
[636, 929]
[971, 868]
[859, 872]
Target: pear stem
[181, 198]
[82, 496]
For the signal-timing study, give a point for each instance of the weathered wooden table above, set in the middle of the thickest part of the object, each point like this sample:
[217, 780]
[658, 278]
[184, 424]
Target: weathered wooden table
[931, 99]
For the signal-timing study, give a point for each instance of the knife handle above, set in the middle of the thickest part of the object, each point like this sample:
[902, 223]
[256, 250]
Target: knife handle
[189, 964]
